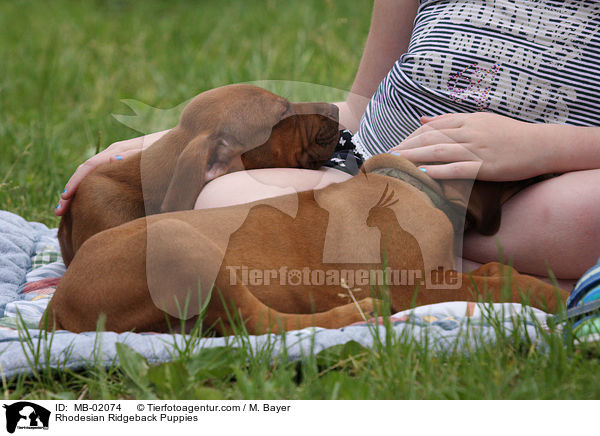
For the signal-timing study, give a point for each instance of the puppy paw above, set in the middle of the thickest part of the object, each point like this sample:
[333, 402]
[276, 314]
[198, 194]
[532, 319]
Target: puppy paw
[494, 269]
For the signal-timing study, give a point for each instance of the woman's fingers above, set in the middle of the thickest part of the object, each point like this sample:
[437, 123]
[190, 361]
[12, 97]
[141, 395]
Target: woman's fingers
[90, 165]
[437, 129]
[425, 136]
[445, 121]
[451, 152]
[122, 155]
[83, 170]
[62, 207]
[461, 162]
[115, 152]
[455, 170]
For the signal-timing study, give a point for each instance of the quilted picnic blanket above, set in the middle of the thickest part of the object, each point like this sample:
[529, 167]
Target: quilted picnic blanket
[31, 267]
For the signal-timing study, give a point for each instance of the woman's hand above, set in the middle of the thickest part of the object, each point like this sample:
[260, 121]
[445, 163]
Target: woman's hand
[478, 145]
[113, 153]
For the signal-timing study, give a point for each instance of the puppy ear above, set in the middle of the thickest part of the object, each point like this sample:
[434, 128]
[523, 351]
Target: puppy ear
[189, 175]
[481, 199]
[65, 237]
[484, 210]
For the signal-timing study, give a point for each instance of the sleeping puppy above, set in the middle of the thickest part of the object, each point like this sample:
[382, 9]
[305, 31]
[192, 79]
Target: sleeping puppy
[223, 130]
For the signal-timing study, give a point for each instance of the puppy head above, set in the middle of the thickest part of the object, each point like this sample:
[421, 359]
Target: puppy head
[305, 138]
[266, 130]
[240, 127]
[469, 204]
[240, 114]
[452, 196]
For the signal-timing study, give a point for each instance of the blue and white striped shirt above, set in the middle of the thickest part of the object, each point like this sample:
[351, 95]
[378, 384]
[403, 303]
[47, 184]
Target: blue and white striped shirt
[532, 60]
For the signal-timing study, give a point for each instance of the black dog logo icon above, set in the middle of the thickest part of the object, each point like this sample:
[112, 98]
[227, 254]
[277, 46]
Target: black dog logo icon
[28, 415]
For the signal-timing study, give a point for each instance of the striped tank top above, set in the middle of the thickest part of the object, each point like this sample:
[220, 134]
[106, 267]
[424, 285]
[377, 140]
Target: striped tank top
[531, 60]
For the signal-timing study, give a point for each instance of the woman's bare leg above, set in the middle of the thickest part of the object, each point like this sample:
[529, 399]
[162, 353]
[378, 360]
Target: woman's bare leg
[247, 186]
[553, 224]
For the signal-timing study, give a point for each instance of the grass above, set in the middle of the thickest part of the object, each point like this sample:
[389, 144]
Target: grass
[63, 77]
[397, 367]
[67, 66]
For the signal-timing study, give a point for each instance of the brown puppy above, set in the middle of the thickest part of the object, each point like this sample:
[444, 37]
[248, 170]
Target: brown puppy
[282, 266]
[223, 130]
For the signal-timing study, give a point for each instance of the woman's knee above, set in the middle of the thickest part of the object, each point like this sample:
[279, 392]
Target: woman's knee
[570, 202]
[555, 223]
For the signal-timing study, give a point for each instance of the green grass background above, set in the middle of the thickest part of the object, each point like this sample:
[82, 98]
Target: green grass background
[66, 65]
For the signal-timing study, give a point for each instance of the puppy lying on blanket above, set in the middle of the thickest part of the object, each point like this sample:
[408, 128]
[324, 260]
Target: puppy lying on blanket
[277, 270]
[223, 130]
